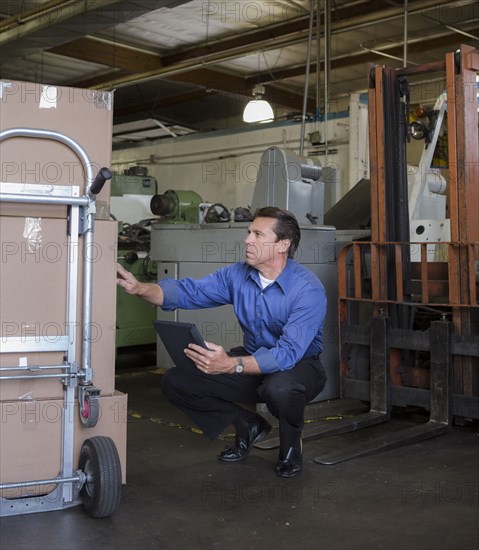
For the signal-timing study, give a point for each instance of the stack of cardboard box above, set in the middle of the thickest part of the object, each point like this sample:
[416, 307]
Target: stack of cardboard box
[33, 278]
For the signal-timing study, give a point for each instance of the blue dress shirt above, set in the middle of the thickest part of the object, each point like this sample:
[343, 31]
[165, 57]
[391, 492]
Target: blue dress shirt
[281, 323]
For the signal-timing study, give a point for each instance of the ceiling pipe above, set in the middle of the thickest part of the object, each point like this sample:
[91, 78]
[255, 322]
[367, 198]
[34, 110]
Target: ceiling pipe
[165, 128]
[318, 60]
[455, 29]
[327, 72]
[306, 79]
[404, 64]
[384, 54]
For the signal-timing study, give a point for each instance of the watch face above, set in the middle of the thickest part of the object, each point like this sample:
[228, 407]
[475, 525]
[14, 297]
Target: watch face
[239, 368]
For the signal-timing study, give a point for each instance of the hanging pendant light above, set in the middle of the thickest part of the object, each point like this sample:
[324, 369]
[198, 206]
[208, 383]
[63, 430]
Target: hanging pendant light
[258, 110]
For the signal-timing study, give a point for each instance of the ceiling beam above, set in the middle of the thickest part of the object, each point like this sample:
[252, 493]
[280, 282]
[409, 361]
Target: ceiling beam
[111, 54]
[45, 15]
[97, 80]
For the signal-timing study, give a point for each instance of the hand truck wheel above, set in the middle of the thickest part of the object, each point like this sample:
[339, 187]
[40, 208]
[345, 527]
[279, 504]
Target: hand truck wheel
[100, 463]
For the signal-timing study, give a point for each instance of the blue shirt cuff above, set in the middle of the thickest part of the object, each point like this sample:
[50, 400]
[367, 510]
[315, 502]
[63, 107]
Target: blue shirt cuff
[170, 294]
[266, 361]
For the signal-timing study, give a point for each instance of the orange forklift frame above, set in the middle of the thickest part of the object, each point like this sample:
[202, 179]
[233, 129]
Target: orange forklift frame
[376, 279]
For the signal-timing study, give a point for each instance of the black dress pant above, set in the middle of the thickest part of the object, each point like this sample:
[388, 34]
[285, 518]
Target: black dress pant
[212, 401]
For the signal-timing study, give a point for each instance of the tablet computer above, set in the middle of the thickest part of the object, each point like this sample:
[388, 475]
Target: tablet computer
[176, 336]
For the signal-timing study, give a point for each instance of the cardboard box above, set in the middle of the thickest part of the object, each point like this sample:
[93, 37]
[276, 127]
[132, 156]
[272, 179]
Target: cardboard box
[84, 116]
[33, 291]
[30, 439]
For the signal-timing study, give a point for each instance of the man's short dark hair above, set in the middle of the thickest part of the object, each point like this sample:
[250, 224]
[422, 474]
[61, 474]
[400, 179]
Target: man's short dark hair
[286, 226]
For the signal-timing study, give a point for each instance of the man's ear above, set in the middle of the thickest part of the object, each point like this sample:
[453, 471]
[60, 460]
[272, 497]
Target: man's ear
[284, 245]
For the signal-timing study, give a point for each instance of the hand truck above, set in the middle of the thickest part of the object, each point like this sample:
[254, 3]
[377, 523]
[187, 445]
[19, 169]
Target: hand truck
[97, 482]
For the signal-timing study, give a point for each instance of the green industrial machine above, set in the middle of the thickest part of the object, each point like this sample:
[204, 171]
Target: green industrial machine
[131, 193]
[134, 181]
[134, 317]
[134, 198]
[177, 206]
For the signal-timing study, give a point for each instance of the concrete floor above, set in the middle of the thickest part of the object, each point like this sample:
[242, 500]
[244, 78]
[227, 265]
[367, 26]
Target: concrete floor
[178, 496]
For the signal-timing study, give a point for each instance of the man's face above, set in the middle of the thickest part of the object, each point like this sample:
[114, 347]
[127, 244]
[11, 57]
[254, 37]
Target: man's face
[261, 244]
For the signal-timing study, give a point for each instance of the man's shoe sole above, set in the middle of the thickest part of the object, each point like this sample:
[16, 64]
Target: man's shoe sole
[288, 476]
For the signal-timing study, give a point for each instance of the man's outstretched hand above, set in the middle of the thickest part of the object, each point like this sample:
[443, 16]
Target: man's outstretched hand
[126, 280]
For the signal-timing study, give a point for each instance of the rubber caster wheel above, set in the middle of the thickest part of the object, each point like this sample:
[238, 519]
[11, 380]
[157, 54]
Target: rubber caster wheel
[89, 408]
[100, 463]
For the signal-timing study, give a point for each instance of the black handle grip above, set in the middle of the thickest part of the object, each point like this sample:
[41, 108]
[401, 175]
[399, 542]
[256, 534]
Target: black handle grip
[98, 183]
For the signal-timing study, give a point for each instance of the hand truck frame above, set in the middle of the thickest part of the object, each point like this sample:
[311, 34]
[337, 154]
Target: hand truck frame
[97, 482]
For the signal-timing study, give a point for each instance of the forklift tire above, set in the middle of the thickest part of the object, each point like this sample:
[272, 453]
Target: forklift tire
[100, 463]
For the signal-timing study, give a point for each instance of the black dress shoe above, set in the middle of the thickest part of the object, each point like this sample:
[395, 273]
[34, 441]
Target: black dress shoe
[291, 466]
[258, 429]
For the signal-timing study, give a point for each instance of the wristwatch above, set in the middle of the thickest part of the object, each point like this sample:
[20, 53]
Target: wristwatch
[239, 365]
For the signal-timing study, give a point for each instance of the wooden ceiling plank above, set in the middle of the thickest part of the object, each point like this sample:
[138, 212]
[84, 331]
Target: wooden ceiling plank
[109, 54]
